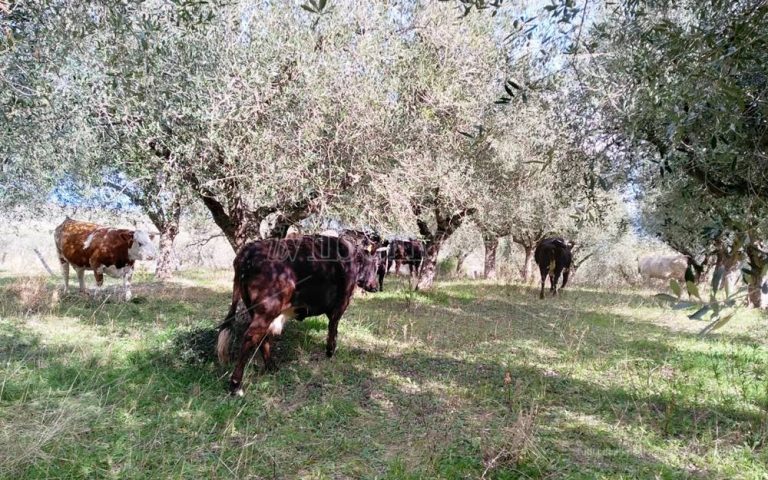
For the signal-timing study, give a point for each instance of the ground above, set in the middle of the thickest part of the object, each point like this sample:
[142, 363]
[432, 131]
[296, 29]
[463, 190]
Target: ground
[473, 379]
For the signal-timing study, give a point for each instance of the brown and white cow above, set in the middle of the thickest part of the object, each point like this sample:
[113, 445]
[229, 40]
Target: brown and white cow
[88, 246]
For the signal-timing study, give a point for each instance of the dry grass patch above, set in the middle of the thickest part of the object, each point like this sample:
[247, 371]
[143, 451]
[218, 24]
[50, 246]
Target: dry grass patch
[516, 441]
[33, 295]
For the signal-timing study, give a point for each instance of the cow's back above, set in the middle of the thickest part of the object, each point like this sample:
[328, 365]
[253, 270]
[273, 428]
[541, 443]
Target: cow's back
[553, 252]
[663, 266]
[73, 239]
[323, 266]
[85, 244]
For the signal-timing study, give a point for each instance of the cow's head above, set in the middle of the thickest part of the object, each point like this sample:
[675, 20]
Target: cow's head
[367, 265]
[142, 247]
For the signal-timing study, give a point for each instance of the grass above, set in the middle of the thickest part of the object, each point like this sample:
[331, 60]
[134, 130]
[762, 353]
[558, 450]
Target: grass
[473, 379]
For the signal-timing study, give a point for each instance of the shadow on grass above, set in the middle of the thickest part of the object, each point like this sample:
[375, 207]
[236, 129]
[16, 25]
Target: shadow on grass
[424, 412]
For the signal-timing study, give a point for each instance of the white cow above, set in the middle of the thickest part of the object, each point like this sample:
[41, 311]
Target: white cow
[663, 266]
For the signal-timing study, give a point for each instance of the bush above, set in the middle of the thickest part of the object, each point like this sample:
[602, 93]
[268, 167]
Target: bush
[447, 267]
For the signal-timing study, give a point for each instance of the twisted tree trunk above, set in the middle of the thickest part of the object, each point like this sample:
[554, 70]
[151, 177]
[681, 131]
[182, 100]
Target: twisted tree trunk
[527, 240]
[527, 270]
[166, 260]
[757, 288]
[446, 223]
[729, 260]
[428, 270]
[491, 243]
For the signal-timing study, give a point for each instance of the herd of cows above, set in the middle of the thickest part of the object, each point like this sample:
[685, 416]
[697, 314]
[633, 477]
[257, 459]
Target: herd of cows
[297, 277]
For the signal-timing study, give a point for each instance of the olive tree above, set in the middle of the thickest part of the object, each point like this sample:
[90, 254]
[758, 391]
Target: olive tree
[683, 83]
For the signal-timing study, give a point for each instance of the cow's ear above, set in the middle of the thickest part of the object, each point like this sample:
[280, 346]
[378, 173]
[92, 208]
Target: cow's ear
[127, 236]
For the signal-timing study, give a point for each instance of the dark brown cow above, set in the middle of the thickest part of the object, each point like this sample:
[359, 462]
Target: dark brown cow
[88, 246]
[409, 252]
[553, 256]
[292, 278]
[373, 243]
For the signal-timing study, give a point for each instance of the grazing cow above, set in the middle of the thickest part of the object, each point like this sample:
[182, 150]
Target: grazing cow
[410, 252]
[88, 246]
[665, 267]
[553, 256]
[292, 278]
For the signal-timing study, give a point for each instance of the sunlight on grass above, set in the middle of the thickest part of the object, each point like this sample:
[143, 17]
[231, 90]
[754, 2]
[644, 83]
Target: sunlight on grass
[473, 377]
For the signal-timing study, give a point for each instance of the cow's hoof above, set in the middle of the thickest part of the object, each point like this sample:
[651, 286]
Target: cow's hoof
[235, 389]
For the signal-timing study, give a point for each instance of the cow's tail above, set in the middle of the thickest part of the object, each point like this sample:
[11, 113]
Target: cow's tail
[225, 328]
[222, 346]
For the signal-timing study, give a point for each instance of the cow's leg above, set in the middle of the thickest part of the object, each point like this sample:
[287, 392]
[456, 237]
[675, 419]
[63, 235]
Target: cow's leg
[266, 353]
[252, 339]
[127, 276]
[98, 273]
[81, 278]
[65, 273]
[544, 274]
[554, 277]
[333, 327]
[398, 263]
[381, 273]
[265, 306]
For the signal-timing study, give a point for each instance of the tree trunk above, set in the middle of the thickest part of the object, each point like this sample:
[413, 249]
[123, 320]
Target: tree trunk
[166, 260]
[758, 292]
[527, 270]
[459, 263]
[757, 289]
[491, 245]
[167, 222]
[447, 223]
[428, 270]
[729, 259]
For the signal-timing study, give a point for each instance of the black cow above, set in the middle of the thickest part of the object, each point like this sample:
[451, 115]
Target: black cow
[553, 256]
[409, 252]
[292, 278]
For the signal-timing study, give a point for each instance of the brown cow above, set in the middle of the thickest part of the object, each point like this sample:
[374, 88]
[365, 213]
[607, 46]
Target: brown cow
[292, 278]
[88, 246]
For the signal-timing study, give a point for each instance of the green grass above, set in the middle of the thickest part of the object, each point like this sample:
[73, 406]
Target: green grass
[472, 378]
